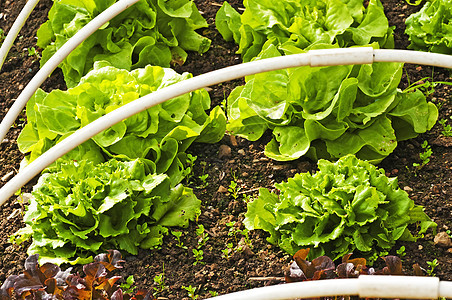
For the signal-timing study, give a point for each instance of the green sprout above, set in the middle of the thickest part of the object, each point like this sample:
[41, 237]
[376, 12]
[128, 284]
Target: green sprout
[204, 181]
[432, 264]
[424, 156]
[198, 255]
[127, 287]
[32, 52]
[233, 189]
[188, 172]
[233, 232]
[447, 128]
[177, 235]
[213, 293]
[191, 292]
[401, 251]
[227, 252]
[159, 280]
[203, 237]
[247, 198]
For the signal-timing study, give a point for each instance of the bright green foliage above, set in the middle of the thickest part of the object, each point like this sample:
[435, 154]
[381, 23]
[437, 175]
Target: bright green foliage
[303, 24]
[424, 156]
[85, 208]
[160, 134]
[430, 29]
[328, 112]
[447, 128]
[346, 206]
[153, 32]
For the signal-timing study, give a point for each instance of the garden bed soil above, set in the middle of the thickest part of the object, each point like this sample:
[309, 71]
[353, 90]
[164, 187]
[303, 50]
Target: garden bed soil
[232, 159]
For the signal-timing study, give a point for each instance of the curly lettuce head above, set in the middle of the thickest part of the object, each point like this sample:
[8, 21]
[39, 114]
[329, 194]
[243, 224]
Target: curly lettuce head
[152, 32]
[346, 206]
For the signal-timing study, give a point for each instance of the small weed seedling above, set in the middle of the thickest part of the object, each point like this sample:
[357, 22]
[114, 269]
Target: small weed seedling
[159, 280]
[213, 293]
[233, 189]
[33, 53]
[247, 198]
[204, 176]
[204, 182]
[432, 264]
[127, 287]
[447, 129]
[177, 235]
[198, 255]
[401, 251]
[188, 172]
[424, 156]
[2, 35]
[20, 200]
[191, 292]
[233, 231]
[227, 252]
[203, 237]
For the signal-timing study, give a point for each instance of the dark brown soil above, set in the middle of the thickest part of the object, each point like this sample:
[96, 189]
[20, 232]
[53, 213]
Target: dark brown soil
[245, 164]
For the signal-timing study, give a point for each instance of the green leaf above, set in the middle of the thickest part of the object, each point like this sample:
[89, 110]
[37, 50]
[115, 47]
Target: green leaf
[303, 24]
[153, 32]
[78, 208]
[227, 21]
[429, 29]
[346, 205]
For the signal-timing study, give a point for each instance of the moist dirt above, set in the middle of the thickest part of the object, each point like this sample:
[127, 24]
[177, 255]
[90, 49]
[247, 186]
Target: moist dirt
[233, 159]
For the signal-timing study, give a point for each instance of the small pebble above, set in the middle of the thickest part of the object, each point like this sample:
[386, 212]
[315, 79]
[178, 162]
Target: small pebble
[407, 189]
[222, 189]
[442, 239]
[241, 152]
[420, 247]
[224, 151]
[279, 167]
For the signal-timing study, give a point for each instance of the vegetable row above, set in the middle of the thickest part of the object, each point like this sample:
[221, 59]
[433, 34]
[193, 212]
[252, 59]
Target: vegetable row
[122, 188]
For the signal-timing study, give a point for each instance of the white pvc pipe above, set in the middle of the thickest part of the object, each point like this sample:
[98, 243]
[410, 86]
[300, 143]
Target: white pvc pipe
[57, 58]
[297, 290]
[313, 58]
[413, 57]
[15, 29]
[365, 286]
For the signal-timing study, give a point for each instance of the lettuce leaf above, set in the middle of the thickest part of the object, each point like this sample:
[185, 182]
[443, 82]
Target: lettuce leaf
[328, 112]
[160, 134]
[346, 206]
[430, 29]
[82, 208]
[303, 24]
[153, 32]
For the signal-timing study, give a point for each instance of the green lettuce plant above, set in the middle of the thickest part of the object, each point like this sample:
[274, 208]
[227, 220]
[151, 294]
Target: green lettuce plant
[153, 32]
[347, 206]
[328, 112]
[303, 24]
[83, 208]
[430, 29]
[161, 134]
